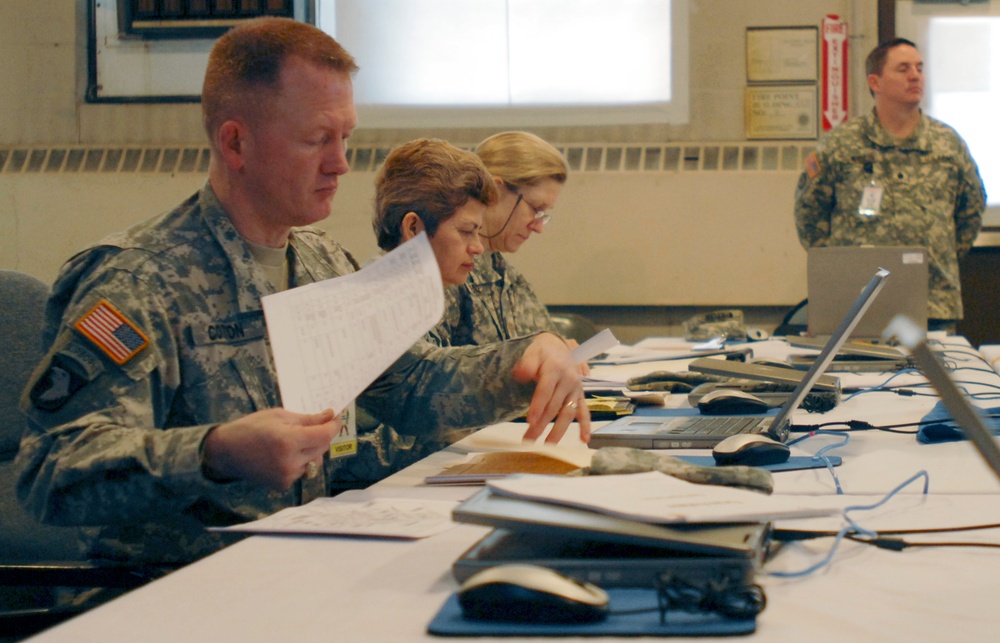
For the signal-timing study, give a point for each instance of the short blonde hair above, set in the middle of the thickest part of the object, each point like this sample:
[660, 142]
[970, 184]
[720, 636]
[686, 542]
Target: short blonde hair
[431, 178]
[521, 158]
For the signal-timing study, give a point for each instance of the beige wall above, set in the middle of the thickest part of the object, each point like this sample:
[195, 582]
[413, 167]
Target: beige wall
[663, 238]
[44, 74]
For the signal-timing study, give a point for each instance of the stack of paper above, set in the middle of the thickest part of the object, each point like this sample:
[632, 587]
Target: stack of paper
[659, 498]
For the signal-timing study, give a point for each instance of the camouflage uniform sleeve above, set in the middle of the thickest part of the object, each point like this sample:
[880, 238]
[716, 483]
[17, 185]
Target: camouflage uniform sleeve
[969, 204]
[532, 315]
[91, 453]
[815, 199]
[430, 390]
[443, 333]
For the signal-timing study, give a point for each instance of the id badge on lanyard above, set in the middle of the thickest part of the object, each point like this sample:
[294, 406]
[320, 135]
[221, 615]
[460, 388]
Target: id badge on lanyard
[346, 442]
[871, 196]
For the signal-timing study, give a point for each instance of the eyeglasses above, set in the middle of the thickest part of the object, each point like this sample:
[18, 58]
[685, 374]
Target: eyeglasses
[540, 215]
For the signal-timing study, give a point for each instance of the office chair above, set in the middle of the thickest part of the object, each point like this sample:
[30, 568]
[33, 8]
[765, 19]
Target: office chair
[574, 326]
[795, 322]
[38, 563]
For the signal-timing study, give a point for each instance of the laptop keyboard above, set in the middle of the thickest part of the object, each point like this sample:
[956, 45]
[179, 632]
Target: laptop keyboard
[722, 425]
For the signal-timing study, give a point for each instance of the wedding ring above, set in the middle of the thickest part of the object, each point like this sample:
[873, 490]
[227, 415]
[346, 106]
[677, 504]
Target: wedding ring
[572, 405]
[312, 470]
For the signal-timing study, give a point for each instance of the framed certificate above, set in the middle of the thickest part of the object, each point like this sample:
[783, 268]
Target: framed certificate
[782, 54]
[781, 112]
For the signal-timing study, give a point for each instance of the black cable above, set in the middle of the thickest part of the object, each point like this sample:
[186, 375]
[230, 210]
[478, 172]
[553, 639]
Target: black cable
[861, 425]
[898, 544]
[854, 425]
[884, 539]
[896, 388]
[740, 602]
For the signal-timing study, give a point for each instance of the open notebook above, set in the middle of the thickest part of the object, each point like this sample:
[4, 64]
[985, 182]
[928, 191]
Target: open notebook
[698, 432]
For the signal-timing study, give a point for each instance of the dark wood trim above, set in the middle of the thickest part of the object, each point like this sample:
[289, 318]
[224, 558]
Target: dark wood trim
[886, 20]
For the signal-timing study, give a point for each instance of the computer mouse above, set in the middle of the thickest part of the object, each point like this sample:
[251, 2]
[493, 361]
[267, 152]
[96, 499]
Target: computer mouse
[751, 449]
[757, 334]
[726, 401]
[526, 593]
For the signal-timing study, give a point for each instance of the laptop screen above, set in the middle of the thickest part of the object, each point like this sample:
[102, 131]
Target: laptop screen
[779, 428]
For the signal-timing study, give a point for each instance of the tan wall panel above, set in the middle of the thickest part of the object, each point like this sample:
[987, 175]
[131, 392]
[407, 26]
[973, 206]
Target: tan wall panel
[697, 238]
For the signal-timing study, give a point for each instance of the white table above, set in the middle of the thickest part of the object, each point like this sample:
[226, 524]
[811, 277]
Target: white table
[273, 588]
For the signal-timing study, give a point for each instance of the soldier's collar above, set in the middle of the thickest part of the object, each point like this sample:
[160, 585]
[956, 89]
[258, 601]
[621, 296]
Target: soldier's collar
[882, 138]
[251, 281]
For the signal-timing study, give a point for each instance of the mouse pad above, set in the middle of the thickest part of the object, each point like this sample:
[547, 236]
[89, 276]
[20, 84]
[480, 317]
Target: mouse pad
[450, 622]
[941, 426]
[794, 463]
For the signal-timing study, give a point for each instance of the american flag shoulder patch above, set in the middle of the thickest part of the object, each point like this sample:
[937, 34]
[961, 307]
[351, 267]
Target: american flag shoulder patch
[812, 165]
[112, 332]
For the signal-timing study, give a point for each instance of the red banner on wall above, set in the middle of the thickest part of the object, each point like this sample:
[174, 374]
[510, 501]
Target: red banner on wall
[833, 81]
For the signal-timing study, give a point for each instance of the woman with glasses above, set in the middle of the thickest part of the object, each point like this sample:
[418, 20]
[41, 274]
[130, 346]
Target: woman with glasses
[430, 185]
[497, 302]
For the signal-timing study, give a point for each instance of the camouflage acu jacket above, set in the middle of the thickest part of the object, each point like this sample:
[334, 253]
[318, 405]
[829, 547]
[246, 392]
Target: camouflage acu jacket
[117, 418]
[494, 304]
[932, 197]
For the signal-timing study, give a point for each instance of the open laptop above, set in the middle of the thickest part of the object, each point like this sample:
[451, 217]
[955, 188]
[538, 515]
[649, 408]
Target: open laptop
[966, 415]
[705, 431]
[836, 274]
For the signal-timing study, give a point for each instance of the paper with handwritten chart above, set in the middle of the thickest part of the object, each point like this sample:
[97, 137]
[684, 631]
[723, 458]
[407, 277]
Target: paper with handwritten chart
[383, 517]
[331, 339]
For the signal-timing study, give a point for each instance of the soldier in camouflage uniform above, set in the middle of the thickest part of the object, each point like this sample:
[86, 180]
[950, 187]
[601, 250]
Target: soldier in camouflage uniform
[156, 411]
[424, 185]
[896, 177]
[497, 302]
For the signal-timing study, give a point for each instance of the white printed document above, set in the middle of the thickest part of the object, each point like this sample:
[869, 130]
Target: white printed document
[658, 349]
[384, 517]
[660, 498]
[331, 339]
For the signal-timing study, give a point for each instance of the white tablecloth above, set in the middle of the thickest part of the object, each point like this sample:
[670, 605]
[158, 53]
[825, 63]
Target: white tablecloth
[273, 588]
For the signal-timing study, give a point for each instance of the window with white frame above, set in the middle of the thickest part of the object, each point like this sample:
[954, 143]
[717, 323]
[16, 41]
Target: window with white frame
[514, 62]
[962, 82]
